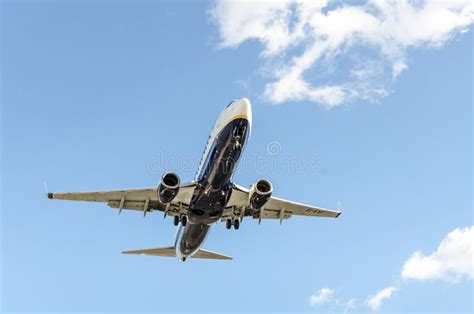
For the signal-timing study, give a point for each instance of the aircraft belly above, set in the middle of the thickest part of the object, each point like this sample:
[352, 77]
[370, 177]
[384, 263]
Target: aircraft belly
[214, 183]
[192, 239]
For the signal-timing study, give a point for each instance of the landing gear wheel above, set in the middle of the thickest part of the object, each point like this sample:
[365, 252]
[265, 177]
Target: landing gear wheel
[228, 224]
[184, 220]
[236, 224]
[176, 220]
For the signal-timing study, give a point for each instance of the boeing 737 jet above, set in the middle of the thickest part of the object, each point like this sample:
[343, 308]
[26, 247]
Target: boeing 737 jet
[211, 197]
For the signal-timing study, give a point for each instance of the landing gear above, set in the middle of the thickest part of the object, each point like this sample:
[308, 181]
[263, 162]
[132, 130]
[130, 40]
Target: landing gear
[177, 219]
[235, 223]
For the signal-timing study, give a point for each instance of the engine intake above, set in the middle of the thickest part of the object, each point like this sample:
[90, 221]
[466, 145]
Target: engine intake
[168, 188]
[260, 193]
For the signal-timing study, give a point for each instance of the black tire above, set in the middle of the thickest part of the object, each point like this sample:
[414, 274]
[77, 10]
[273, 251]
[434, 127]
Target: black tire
[184, 221]
[176, 220]
[228, 224]
[236, 224]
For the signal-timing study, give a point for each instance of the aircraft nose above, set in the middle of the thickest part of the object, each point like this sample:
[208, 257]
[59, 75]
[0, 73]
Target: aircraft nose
[243, 107]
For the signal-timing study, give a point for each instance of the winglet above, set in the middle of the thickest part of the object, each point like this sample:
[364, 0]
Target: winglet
[49, 194]
[339, 209]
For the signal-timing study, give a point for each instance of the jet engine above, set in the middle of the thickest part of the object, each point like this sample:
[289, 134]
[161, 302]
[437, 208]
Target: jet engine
[168, 188]
[260, 194]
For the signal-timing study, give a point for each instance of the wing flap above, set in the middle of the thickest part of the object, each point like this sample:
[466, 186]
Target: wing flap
[136, 205]
[275, 208]
[105, 196]
[135, 199]
[266, 214]
[300, 209]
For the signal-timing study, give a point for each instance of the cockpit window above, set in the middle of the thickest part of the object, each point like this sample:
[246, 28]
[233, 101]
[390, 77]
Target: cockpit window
[230, 104]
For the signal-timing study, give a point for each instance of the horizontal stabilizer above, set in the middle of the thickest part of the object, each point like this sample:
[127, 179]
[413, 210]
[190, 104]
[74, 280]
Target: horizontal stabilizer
[210, 255]
[164, 251]
[171, 252]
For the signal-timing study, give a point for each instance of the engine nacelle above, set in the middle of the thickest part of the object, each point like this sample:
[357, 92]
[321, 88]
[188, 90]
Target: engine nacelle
[168, 188]
[260, 193]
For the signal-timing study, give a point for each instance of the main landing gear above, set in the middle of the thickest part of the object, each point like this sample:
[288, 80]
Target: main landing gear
[183, 219]
[229, 223]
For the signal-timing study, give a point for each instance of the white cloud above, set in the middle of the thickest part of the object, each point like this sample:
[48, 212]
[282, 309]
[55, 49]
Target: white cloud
[375, 302]
[350, 305]
[313, 49]
[322, 296]
[328, 296]
[453, 260]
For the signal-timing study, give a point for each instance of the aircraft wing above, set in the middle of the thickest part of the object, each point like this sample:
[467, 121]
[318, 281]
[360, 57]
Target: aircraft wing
[144, 200]
[275, 208]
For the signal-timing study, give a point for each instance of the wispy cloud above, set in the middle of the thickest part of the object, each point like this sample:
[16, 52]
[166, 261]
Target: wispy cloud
[375, 302]
[453, 260]
[350, 305]
[327, 296]
[332, 52]
[322, 296]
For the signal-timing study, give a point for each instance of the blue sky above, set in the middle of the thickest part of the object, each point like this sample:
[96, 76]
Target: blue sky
[100, 96]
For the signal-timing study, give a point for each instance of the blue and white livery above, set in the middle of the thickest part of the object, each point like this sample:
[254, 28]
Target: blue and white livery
[211, 197]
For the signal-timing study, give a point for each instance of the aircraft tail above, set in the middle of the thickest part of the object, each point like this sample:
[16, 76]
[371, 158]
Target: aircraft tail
[171, 252]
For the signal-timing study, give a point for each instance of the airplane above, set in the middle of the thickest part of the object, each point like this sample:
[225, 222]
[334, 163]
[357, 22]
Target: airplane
[211, 197]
